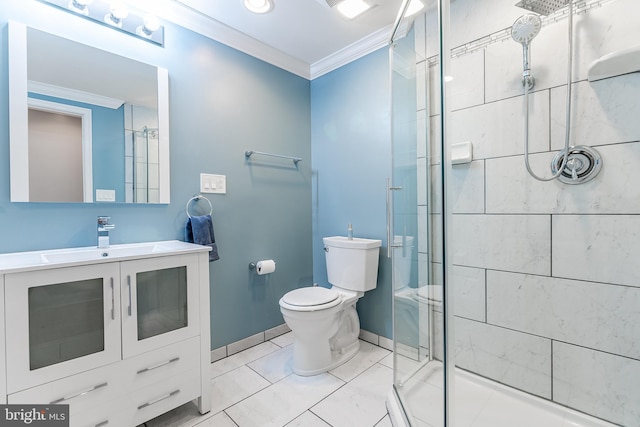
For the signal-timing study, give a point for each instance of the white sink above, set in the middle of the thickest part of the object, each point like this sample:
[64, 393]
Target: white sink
[83, 254]
[44, 259]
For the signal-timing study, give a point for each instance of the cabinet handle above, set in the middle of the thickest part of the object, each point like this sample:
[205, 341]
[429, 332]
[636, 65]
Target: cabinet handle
[151, 368]
[113, 303]
[129, 283]
[160, 399]
[102, 423]
[82, 393]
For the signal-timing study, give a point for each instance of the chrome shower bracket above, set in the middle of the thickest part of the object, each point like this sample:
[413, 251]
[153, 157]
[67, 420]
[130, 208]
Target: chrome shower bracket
[528, 80]
[583, 164]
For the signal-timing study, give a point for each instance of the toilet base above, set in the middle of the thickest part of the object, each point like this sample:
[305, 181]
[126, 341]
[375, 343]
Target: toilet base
[338, 357]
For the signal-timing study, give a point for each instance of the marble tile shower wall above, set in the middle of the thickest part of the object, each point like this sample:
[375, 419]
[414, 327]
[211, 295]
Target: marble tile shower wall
[546, 275]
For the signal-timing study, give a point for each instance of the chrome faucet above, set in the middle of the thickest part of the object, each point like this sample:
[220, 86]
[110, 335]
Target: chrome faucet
[103, 231]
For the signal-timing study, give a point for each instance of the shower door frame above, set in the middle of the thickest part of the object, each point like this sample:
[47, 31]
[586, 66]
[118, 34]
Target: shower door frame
[445, 156]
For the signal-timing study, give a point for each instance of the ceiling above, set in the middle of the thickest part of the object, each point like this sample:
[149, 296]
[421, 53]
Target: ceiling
[305, 37]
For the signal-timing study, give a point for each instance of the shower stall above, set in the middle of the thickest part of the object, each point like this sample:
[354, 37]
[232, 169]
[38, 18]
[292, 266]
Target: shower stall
[142, 155]
[516, 297]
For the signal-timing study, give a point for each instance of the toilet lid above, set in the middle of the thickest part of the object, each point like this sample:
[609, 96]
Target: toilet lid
[310, 296]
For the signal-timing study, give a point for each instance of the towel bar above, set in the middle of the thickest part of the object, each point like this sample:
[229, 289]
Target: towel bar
[249, 153]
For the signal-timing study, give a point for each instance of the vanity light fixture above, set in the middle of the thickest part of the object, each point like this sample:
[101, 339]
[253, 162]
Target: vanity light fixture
[79, 6]
[259, 6]
[150, 26]
[117, 12]
[116, 15]
[352, 8]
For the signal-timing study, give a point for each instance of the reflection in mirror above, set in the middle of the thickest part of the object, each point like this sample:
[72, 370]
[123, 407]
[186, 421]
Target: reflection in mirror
[86, 125]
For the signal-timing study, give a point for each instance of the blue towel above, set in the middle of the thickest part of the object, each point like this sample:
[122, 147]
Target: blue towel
[199, 230]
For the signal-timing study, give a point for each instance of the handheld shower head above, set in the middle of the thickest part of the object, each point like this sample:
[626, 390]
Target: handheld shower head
[526, 28]
[523, 31]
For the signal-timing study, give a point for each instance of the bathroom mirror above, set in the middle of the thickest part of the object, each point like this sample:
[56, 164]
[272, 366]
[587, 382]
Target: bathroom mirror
[86, 125]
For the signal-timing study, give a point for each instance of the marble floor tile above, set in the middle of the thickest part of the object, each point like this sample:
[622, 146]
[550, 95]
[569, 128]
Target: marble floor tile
[283, 401]
[218, 420]
[387, 361]
[368, 355]
[226, 390]
[308, 419]
[360, 403]
[234, 386]
[385, 422]
[186, 415]
[283, 340]
[275, 366]
[242, 358]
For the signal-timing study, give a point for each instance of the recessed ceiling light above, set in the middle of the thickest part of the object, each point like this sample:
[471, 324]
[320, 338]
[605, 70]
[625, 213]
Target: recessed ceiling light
[352, 8]
[259, 6]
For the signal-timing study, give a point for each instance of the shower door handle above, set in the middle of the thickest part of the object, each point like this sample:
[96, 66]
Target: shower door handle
[390, 215]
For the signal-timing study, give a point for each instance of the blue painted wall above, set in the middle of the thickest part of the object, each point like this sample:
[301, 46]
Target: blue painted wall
[107, 142]
[351, 147]
[222, 103]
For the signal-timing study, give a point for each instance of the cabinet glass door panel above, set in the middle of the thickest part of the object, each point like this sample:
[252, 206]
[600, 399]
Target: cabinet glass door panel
[65, 321]
[161, 301]
[61, 322]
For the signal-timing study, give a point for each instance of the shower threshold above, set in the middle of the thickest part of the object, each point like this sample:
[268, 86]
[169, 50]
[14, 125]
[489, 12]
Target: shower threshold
[478, 402]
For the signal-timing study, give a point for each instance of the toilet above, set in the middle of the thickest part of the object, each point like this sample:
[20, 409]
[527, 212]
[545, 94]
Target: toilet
[324, 321]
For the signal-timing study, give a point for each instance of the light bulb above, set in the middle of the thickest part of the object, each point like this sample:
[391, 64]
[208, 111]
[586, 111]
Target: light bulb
[79, 6]
[117, 13]
[151, 25]
[259, 6]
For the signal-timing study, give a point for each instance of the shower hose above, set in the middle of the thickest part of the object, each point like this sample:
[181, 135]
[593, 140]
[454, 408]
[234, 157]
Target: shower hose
[567, 133]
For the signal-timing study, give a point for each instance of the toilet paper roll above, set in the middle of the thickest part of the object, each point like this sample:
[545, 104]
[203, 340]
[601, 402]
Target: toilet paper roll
[265, 266]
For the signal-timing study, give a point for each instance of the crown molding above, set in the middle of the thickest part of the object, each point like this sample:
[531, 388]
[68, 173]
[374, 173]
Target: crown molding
[362, 47]
[200, 23]
[73, 95]
[196, 21]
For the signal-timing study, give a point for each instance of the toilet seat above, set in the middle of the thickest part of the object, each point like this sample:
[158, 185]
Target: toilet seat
[310, 299]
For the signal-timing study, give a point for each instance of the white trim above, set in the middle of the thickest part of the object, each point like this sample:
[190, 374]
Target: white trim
[73, 95]
[18, 113]
[87, 138]
[163, 137]
[189, 18]
[354, 51]
[215, 30]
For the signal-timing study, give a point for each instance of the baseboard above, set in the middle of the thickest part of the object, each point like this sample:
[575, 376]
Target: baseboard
[375, 339]
[245, 343]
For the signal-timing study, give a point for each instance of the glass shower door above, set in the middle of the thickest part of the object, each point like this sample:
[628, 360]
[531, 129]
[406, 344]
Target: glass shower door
[418, 353]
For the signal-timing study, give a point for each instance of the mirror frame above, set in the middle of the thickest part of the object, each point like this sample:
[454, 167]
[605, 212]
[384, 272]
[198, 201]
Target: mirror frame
[18, 120]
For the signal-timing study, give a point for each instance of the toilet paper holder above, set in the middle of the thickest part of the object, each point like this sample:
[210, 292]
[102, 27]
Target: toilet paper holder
[256, 267]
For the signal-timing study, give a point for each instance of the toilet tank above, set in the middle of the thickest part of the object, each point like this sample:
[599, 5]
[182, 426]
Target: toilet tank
[352, 264]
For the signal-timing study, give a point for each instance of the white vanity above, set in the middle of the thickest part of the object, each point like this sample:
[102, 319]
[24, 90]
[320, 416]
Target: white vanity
[120, 334]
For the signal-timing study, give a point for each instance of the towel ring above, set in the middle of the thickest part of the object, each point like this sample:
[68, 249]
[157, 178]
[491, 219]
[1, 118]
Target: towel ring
[196, 198]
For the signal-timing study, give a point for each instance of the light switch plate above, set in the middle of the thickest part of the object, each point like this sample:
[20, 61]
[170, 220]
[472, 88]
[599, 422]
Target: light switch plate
[105, 195]
[215, 184]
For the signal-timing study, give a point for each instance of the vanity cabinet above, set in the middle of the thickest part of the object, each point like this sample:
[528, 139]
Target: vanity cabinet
[122, 338]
